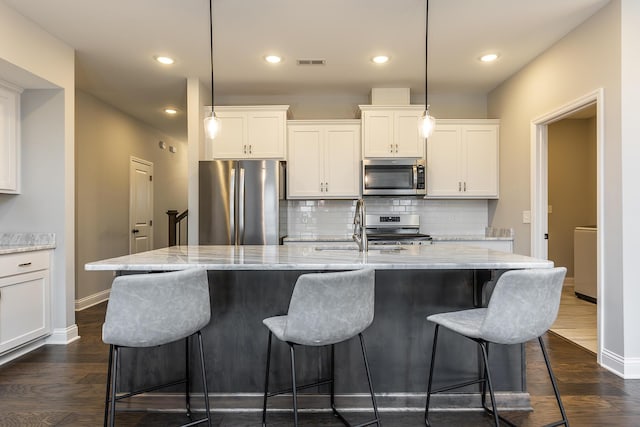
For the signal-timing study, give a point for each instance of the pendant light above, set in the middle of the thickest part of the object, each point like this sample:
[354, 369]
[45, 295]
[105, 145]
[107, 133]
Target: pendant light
[427, 122]
[211, 122]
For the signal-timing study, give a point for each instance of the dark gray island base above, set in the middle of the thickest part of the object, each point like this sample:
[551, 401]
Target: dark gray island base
[250, 283]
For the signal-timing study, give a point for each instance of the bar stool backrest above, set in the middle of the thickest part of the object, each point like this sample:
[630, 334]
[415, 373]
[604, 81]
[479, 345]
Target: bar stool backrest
[146, 310]
[327, 308]
[523, 306]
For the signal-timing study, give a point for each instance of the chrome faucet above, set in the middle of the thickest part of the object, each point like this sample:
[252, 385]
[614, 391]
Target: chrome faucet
[359, 226]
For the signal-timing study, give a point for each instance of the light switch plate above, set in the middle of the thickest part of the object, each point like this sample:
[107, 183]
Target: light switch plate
[526, 217]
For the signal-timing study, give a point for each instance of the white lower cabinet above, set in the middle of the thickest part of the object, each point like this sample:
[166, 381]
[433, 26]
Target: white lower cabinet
[323, 159]
[25, 298]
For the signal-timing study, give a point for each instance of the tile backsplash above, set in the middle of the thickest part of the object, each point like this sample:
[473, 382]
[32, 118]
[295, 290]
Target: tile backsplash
[310, 218]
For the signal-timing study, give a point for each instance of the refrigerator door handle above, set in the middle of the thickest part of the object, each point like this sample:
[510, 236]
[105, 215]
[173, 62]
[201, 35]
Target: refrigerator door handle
[232, 206]
[240, 238]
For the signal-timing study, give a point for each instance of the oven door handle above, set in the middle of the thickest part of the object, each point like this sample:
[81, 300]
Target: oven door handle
[415, 177]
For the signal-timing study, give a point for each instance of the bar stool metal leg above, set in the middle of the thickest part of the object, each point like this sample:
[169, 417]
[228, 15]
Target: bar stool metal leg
[373, 396]
[187, 375]
[204, 380]
[114, 377]
[106, 398]
[266, 383]
[488, 374]
[430, 382]
[564, 420]
[293, 385]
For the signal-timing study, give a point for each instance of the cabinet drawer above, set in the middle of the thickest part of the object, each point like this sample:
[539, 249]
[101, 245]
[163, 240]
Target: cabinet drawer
[23, 262]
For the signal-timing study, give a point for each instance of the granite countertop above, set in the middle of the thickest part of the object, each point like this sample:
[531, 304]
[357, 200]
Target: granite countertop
[442, 237]
[26, 242]
[309, 257]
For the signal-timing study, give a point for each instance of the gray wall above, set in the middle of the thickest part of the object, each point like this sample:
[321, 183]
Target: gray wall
[105, 140]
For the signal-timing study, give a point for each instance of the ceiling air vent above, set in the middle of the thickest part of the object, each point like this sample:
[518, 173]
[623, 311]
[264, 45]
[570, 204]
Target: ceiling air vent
[311, 62]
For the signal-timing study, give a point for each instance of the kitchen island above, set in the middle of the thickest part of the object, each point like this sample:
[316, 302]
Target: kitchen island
[250, 283]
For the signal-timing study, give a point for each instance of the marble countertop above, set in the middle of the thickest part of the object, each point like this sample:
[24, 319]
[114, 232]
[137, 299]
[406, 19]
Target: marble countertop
[309, 257]
[26, 242]
[435, 238]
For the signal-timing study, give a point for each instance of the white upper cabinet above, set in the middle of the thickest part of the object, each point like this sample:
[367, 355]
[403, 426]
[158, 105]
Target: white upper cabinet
[391, 131]
[254, 132]
[323, 159]
[462, 159]
[9, 138]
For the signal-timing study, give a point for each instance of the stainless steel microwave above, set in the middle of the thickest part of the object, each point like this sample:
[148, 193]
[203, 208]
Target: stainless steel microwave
[393, 177]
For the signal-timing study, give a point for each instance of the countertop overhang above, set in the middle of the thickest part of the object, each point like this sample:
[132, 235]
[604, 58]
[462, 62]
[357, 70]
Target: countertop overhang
[303, 257]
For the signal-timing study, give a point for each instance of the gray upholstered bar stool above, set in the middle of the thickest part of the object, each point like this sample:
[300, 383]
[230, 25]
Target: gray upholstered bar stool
[325, 309]
[148, 310]
[523, 306]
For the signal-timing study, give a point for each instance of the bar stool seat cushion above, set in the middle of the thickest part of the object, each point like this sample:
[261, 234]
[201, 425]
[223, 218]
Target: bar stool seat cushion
[326, 308]
[523, 307]
[154, 309]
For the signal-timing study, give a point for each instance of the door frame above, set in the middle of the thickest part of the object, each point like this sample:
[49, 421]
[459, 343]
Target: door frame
[133, 159]
[540, 190]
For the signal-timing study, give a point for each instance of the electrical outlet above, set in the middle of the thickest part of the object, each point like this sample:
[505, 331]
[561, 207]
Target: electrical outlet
[526, 217]
[550, 209]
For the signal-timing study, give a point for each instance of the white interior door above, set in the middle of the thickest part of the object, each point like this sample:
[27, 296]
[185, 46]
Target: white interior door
[140, 206]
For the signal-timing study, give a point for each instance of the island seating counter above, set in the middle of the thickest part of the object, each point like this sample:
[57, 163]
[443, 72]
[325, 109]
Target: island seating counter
[250, 283]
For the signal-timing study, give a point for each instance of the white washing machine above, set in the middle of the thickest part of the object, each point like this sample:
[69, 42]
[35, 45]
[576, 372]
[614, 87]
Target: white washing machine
[585, 262]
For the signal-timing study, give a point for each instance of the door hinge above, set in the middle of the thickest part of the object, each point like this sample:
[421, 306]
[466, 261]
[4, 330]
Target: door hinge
[150, 178]
[546, 236]
[150, 222]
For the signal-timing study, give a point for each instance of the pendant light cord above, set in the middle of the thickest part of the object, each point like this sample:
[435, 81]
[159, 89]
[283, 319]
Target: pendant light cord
[426, 55]
[211, 47]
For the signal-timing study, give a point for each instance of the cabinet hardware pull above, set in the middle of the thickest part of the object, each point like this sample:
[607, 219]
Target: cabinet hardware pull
[24, 264]
[396, 148]
[244, 149]
[326, 186]
[391, 148]
[249, 148]
[465, 186]
[459, 186]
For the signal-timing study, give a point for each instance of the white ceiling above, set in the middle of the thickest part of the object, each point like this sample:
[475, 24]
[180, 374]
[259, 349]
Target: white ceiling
[115, 41]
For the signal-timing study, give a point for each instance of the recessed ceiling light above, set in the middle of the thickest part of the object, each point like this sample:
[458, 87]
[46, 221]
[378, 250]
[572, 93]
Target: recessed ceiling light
[490, 57]
[272, 59]
[380, 59]
[171, 110]
[164, 60]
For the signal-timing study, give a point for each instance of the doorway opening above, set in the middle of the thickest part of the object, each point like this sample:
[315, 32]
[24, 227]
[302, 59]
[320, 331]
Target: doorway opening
[566, 209]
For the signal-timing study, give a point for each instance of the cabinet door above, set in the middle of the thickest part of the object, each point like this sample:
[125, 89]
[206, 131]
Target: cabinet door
[480, 145]
[305, 166]
[443, 162]
[266, 134]
[9, 141]
[407, 140]
[378, 136]
[231, 141]
[24, 308]
[342, 161]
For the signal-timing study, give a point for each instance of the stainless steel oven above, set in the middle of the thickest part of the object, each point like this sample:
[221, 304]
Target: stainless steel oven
[393, 177]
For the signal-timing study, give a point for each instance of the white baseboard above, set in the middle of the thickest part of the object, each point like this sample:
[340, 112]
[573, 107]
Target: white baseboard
[22, 350]
[64, 336]
[627, 368]
[92, 300]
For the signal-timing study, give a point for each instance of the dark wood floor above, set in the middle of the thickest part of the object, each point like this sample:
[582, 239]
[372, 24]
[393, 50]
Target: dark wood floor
[64, 386]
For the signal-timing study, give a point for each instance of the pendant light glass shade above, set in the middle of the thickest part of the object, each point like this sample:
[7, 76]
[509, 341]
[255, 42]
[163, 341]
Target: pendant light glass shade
[426, 124]
[211, 122]
[211, 125]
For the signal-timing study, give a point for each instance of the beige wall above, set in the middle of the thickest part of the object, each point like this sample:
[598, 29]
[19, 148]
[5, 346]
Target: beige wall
[106, 138]
[586, 59]
[572, 185]
[340, 106]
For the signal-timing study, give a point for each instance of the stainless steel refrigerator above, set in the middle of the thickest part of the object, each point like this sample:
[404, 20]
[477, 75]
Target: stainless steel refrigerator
[241, 202]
